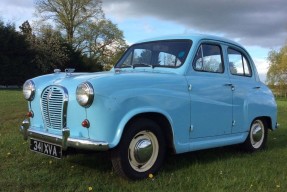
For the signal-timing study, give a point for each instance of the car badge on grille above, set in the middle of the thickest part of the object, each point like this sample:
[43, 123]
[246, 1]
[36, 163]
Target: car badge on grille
[49, 94]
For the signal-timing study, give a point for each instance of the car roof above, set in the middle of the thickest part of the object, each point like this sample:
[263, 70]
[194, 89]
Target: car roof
[194, 37]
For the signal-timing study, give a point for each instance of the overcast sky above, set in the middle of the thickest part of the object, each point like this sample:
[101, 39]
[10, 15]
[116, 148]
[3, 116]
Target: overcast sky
[253, 22]
[259, 25]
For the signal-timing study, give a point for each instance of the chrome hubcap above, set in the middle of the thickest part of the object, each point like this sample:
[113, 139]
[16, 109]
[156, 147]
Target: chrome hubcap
[143, 151]
[257, 134]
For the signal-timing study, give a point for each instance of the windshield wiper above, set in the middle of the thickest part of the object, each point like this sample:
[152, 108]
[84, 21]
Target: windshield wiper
[143, 64]
[138, 65]
[126, 66]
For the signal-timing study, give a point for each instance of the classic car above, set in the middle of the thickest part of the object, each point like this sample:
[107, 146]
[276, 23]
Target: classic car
[171, 94]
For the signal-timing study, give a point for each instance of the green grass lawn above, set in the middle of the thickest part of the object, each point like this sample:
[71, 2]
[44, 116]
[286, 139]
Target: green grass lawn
[221, 169]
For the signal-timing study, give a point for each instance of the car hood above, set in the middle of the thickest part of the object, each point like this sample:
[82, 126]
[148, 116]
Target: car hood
[67, 80]
[106, 83]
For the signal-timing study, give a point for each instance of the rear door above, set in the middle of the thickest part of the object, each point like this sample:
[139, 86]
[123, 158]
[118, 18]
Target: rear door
[245, 87]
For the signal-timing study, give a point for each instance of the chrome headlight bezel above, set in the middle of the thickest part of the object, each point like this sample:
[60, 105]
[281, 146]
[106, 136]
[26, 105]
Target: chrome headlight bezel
[29, 90]
[85, 94]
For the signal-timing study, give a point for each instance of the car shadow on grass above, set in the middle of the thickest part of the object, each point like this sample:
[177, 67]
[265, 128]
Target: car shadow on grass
[204, 156]
[221, 154]
[100, 161]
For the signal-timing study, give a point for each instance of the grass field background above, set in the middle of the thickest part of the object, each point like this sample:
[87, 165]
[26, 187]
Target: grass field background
[220, 169]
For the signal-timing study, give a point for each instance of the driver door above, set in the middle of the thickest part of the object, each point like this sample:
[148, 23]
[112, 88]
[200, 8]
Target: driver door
[210, 93]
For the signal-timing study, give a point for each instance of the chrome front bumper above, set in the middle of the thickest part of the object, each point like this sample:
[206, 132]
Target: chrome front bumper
[65, 140]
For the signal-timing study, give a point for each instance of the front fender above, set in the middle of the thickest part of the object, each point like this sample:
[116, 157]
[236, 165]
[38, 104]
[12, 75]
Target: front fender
[118, 101]
[132, 113]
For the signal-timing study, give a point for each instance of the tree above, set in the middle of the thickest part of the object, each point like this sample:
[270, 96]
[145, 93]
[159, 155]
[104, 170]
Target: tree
[277, 72]
[15, 56]
[50, 49]
[26, 29]
[70, 14]
[102, 42]
[86, 29]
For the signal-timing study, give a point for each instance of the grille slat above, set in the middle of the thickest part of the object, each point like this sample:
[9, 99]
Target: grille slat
[53, 107]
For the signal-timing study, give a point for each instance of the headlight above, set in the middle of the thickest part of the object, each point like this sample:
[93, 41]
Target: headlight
[29, 90]
[85, 94]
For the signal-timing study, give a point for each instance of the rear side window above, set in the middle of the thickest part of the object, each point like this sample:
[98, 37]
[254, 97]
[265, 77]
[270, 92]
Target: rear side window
[238, 64]
[208, 59]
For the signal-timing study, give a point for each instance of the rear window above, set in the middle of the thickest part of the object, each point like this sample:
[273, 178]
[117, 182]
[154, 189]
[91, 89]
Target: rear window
[238, 64]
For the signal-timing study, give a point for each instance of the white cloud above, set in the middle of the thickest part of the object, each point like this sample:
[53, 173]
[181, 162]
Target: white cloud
[262, 66]
[114, 10]
[16, 11]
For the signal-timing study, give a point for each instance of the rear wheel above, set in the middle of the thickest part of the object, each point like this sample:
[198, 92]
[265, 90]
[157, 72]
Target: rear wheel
[257, 136]
[141, 150]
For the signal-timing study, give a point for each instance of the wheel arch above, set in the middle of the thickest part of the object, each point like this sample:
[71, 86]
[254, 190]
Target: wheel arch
[163, 123]
[266, 120]
[159, 118]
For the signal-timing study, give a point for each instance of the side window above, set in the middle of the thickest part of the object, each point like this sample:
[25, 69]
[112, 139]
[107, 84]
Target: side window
[208, 59]
[238, 64]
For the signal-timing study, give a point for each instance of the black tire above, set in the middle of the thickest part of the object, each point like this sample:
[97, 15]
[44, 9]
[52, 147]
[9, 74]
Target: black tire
[257, 136]
[141, 150]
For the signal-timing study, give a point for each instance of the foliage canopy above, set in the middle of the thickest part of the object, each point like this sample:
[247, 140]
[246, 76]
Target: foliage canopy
[277, 72]
[70, 14]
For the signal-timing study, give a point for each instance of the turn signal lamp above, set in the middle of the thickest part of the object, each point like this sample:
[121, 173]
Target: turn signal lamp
[86, 123]
[30, 114]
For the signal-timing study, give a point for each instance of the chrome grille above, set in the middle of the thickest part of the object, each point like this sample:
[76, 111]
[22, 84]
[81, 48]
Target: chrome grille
[54, 105]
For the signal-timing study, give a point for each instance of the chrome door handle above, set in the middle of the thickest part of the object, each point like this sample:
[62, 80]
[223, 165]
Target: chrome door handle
[189, 87]
[230, 85]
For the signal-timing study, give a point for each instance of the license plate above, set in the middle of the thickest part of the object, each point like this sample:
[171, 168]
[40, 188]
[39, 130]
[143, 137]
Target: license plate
[46, 148]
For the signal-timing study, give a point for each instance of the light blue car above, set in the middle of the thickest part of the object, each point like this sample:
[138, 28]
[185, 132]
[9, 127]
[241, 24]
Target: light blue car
[171, 94]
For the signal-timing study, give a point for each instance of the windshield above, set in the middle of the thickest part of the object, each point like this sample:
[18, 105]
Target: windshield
[169, 53]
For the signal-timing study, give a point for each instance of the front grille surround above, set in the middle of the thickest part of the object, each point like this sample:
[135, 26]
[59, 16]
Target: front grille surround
[54, 103]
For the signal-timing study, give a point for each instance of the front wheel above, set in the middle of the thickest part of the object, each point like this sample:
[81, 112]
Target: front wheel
[257, 136]
[141, 150]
